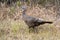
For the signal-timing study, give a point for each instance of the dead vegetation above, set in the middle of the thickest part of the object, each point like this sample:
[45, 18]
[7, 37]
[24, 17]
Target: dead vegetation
[12, 27]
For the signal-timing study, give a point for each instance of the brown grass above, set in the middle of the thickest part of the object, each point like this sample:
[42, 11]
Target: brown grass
[12, 27]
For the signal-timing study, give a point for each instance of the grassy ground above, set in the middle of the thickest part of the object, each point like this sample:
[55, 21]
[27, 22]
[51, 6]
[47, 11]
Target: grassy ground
[18, 30]
[13, 28]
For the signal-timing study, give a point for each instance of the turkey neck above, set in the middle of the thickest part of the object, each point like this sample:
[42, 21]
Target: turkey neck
[23, 13]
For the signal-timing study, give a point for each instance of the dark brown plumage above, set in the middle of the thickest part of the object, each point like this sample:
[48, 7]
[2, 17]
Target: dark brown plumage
[32, 22]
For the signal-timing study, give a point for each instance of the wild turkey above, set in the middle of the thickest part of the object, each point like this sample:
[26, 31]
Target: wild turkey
[32, 22]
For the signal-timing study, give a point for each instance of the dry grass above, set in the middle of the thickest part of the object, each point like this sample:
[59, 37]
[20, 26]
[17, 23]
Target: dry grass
[18, 30]
[12, 27]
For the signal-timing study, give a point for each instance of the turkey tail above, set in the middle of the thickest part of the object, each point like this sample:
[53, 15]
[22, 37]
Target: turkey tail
[49, 22]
